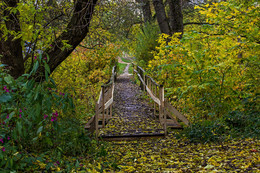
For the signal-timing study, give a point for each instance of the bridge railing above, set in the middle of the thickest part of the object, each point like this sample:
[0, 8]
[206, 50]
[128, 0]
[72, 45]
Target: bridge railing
[103, 105]
[156, 92]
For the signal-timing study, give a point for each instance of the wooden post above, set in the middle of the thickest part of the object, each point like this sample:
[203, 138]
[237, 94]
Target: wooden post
[141, 74]
[154, 104]
[103, 106]
[110, 111]
[162, 117]
[96, 119]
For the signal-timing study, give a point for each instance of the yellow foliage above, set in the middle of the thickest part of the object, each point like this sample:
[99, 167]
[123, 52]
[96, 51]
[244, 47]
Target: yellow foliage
[84, 72]
[207, 67]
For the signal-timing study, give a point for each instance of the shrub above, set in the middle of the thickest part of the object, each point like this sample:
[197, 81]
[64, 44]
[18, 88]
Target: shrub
[206, 131]
[37, 118]
[146, 42]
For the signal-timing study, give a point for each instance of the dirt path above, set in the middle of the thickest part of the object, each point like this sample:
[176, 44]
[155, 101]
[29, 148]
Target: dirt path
[132, 114]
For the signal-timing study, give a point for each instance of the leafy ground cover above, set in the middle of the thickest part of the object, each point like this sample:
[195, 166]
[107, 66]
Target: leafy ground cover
[169, 154]
[178, 155]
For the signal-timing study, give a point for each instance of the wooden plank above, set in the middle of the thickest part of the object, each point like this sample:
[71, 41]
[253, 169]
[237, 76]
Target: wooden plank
[100, 97]
[155, 99]
[100, 117]
[96, 121]
[89, 126]
[140, 78]
[176, 113]
[169, 114]
[153, 80]
[90, 121]
[132, 136]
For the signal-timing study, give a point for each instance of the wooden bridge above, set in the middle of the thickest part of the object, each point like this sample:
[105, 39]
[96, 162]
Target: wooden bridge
[130, 113]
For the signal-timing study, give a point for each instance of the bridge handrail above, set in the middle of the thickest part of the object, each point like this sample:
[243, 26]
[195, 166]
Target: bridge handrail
[156, 92]
[104, 103]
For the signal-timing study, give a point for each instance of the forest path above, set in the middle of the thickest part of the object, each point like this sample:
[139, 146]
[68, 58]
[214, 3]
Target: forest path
[132, 117]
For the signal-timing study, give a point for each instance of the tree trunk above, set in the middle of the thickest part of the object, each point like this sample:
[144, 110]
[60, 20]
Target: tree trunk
[11, 48]
[161, 16]
[75, 32]
[146, 10]
[175, 16]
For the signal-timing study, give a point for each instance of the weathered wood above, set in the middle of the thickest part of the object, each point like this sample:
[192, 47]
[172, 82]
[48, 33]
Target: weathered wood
[153, 80]
[96, 120]
[155, 99]
[176, 113]
[103, 106]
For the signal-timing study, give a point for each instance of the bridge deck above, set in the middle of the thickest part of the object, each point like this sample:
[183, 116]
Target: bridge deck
[132, 115]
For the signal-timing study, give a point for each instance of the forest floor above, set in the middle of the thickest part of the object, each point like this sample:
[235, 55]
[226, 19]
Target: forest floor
[168, 154]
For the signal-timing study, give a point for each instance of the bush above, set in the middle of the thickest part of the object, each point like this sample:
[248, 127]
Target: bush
[38, 120]
[206, 131]
[82, 74]
[146, 42]
[245, 122]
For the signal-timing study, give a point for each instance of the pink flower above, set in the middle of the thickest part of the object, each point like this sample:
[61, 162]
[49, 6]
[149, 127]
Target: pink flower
[6, 90]
[8, 138]
[3, 149]
[35, 57]
[45, 116]
[2, 140]
[20, 115]
[7, 116]
[20, 110]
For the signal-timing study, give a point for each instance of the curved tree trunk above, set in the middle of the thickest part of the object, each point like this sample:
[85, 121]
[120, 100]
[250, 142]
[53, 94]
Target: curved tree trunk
[75, 32]
[161, 16]
[10, 47]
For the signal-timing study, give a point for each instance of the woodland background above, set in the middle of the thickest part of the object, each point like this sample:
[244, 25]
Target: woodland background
[55, 55]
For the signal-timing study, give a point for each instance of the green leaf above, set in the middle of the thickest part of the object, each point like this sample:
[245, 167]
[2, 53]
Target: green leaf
[5, 98]
[47, 68]
[8, 79]
[39, 130]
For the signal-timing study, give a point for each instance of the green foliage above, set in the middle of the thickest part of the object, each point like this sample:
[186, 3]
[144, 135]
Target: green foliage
[121, 68]
[213, 69]
[37, 118]
[126, 60]
[245, 122]
[206, 131]
[83, 73]
[146, 41]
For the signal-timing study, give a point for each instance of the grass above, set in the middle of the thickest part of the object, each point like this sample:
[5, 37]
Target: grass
[126, 60]
[130, 70]
[121, 68]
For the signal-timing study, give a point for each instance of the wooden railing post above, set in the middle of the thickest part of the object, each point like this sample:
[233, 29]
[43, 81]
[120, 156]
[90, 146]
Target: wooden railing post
[96, 119]
[144, 85]
[162, 116]
[103, 106]
[154, 104]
